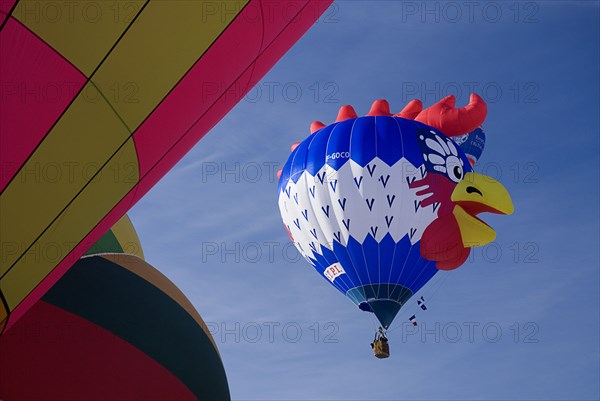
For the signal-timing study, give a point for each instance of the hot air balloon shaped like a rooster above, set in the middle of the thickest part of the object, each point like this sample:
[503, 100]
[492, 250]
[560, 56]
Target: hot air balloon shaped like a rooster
[378, 204]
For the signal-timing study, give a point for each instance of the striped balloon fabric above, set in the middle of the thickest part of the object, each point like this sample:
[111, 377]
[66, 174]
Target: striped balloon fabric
[100, 99]
[112, 328]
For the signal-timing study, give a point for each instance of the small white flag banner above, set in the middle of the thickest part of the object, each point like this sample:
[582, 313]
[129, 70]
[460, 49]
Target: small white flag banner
[334, 271]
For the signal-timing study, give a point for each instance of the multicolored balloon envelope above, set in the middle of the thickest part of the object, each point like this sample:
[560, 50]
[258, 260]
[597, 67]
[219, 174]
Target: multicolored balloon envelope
[112, 328]
[100, 99]
[377, 204]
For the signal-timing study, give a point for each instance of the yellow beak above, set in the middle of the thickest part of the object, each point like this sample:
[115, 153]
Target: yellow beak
[475, 194]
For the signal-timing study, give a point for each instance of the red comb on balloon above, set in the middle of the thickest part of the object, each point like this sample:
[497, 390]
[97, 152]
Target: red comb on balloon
[411, 110]
[380, 108]
[442, 115]
[346, 113]
[452, 121]
[315, 126]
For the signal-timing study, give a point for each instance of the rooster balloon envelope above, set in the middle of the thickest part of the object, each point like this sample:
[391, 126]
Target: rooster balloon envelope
[378, 204]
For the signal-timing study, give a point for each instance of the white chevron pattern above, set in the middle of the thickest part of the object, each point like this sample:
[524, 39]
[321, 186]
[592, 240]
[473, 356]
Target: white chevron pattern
[354, 201]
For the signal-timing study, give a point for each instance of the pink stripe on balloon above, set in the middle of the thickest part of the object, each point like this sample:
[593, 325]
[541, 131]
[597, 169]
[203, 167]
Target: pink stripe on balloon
[5, 7]
[37, 85]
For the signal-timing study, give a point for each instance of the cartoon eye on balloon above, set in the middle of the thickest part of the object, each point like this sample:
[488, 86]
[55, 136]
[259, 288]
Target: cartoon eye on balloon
[441, 155]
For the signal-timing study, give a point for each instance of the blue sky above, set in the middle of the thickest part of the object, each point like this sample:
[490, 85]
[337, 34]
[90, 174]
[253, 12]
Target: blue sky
[520, 320]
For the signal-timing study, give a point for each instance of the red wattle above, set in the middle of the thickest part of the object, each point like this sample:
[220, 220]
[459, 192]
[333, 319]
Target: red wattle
[441, 242]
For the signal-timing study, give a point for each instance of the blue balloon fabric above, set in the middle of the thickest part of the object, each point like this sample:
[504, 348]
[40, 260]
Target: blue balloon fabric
[472, 144]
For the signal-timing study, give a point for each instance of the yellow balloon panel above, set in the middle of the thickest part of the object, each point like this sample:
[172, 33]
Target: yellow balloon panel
[83, 140]
[147, 63]
[90, 205]
[127, 236]
[3, 315]
[83, 31]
